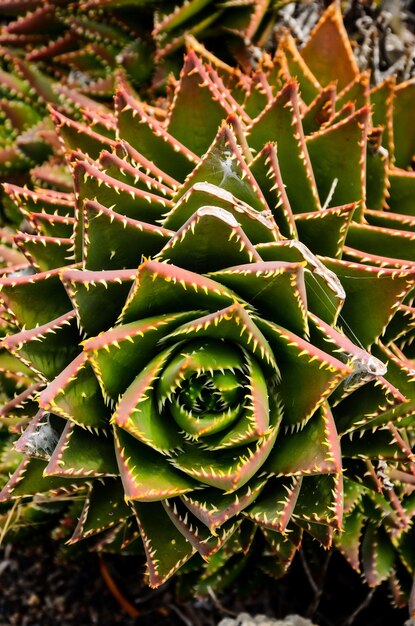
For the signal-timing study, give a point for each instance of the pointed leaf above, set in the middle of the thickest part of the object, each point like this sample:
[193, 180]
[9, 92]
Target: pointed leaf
[280, 122]
[97, 292]
[119, 354]
[82, 454]
[75, 395]
[228, 244]
[34, 299]
[113, 241]
[342, 179]
[104, 507]
[315, 449]
[147, 476]
[328, 52]
[166, 548]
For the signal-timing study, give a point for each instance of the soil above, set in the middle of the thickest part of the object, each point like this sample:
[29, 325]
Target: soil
[38, 588]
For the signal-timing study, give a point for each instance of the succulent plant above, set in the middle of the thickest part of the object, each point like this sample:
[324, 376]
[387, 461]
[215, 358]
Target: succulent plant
[217, 323]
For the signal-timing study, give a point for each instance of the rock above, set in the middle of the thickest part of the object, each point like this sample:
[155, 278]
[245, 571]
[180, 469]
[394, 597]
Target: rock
[244, 619]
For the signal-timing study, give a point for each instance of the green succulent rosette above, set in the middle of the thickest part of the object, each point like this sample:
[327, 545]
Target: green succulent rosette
[218, 345]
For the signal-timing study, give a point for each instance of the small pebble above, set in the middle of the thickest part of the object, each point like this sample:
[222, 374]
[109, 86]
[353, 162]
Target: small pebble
[244, 619]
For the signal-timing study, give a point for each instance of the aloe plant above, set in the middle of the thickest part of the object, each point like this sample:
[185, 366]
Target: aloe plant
[216, 324]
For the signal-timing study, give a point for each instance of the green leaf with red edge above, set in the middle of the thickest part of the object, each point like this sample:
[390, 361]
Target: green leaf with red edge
[151, 139]
[367, 407]
[143, 205]
[324, 232]
[401, 191]
[52, 225]
[357, 91]
[41, 200]
[198, 106]
[401, 325]
[47, 348]
[327, 149]
[362, 474]
[55, 175]
[225, 165]
[378, 555]
[271, 566]
[103, 508]
[138, 161]
[45, 253]
[275, 289]
[377, 171]
[325, 294]
[210, 240]
[277, 558]
[34, 299]
[147, 476]
[232, 323]
[281, 122]
[164, 288]
[38, 80]
[97, 297]
[214, 508]
[405, 548]
[19, 115]
[297, 68]
[77, 136]
[400, 372]
[179, 16]
[372, 294]
[328, 52]
[320, 500]
[259, 94]
[81, 454]
[258, 226]
[380, 444]
[122, 538]
[315, 449]
[320, 110]
[292, 533]
[381, 100]
[393, 221]
[113, 241]
[403, 126]
[75, 394]
[138, 413]
[352, 493]
[382, 241]
[166, 548]
[348, 542]
[274, 507]
[321, 532]
[205, 542]
[13, 365]
[227, 470]
[300, 362]
[22, 405]
[119, 354]
[28, 480]
[265, 167]
[121, 169]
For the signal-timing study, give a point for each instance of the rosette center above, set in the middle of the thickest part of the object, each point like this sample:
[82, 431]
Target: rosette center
[202, 386]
